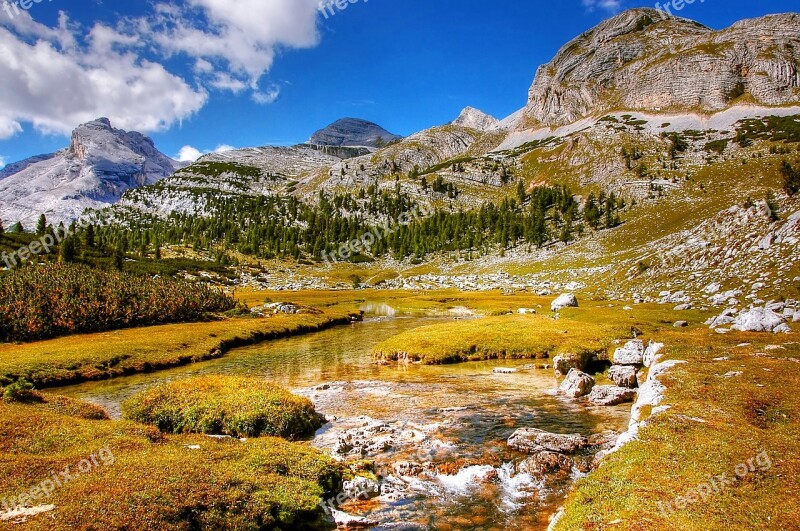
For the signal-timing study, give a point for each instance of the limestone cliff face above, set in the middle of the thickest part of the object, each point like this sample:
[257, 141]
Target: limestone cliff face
[644, 60]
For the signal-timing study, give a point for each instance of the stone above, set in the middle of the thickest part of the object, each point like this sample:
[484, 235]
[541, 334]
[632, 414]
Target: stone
[545, 463]
[611, 395]
[526, 311]
[349, 521]
[680, 324]
[758, 320]
[504, 370]
[567, 300]
[623, 375]
[683, 307]
[576, 384]
[407, 468]
[651, 352]
[532, 440]
[631, 354]
[562, 364]
[361, 488]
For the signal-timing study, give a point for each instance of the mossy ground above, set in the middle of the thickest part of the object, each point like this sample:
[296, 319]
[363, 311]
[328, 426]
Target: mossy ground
[719, 420]
[236, 406]
[99, 356]
[147, 480]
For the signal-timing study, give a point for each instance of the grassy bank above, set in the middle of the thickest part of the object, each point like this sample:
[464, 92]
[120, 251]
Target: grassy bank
[729, 416]
[228, 405]
[81, 358]
[505, 337]
[130, 476]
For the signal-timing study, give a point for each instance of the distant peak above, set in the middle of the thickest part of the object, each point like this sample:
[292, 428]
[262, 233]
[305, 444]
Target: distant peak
[353, 132]
[475, 119]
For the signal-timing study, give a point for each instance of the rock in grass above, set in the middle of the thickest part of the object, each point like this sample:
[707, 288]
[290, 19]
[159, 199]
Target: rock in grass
[623, 375]
[611, 395]
[577, 384]
[567, 300]
[532, 441]
[758, 320]
[225, 405]
[631, 354]
[681, 324]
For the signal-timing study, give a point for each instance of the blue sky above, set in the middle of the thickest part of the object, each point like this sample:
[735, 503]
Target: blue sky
[209, 73]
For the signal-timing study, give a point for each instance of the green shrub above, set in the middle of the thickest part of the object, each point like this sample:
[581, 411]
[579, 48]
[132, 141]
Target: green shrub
[52, 300]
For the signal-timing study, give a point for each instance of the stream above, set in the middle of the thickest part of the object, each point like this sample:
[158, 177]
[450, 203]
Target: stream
[437, 434]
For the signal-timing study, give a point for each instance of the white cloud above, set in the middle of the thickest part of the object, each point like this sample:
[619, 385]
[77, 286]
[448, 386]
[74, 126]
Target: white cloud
[2, 162]
[191, 154]
[188, 154]
[58, 77]
[56, 87]
[606, 5]
[266, 97]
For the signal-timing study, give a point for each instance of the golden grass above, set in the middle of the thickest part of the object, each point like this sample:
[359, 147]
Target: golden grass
[715, 424]
[504, 337]
[99, 356]
[227, 405]
[146, 480]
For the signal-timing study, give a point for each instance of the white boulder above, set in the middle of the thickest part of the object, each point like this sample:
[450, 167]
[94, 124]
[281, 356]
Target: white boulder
[758, 320]
[577, 384]
[631, 354]
[567, 300]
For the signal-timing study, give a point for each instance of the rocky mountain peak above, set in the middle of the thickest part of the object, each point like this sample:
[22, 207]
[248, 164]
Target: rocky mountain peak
[353, 132]
[643, 59]
[475, 119]
[99, 165]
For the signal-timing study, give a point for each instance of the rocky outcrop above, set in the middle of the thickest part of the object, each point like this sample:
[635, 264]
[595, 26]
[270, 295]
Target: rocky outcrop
[611, 395]
[623, 375]
[475, 119]
[631, 354]
[100, 164]
[532, 441]
[645, 60]
[353, 132]
[577, 384]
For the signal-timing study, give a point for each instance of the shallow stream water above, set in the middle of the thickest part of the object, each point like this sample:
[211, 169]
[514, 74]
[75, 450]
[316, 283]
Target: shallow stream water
[455, 419]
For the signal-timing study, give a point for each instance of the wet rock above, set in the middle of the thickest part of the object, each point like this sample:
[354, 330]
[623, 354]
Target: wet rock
[349, 521]
[567, 300]
[532, 440]
[361, 488]
[623, 375]
[407, 468]
[631, 354]
[576, 384]
[545, 462]
[758, 320]
[504, 370]
[611, 395]
[563, 364]
[604, 440]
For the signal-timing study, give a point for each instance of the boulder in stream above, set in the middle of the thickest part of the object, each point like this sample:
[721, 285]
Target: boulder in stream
[611, 395]
[576, 384]
[532, 441]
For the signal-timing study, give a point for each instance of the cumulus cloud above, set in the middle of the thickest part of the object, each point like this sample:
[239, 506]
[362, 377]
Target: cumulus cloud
[191, 154]
[58, 77]
[612, 6]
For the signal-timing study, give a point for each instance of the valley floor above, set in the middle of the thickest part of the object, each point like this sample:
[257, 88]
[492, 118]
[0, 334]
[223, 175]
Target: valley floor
[723, 455]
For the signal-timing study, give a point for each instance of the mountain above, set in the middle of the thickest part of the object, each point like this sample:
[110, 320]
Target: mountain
[100, 164]
[647, 61]
[603, 180]
[353, 132]
[475, 119]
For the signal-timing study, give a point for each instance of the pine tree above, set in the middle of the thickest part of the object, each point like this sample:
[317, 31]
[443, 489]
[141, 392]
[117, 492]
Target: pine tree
[68, 251]
[18, 228]
[41, 226]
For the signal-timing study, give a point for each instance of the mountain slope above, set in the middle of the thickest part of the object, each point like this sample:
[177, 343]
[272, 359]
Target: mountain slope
[100, 164]
[642, 60]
